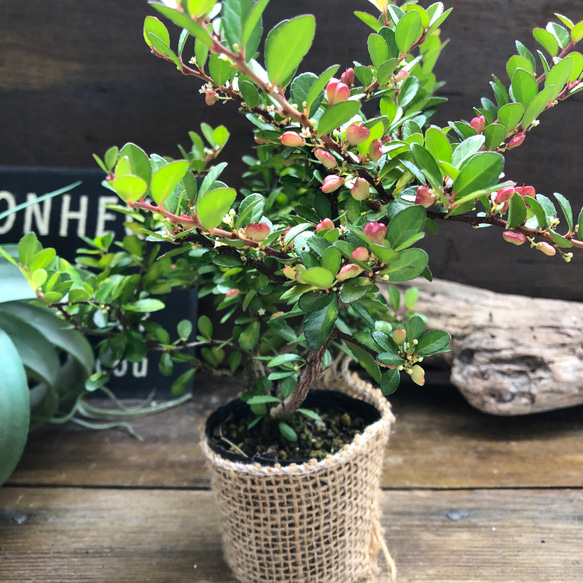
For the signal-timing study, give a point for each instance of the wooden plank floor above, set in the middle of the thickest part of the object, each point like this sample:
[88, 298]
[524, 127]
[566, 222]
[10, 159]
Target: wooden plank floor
[466, 497]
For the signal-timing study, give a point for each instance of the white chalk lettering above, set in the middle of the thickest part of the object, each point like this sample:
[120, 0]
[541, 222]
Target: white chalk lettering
[140, 369]
[121, 370]
[103, 216]
[67, 214]
[11, 203]
[38, 214]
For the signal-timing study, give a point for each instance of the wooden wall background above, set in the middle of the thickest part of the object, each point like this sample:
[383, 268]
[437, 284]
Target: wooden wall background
[76, 77]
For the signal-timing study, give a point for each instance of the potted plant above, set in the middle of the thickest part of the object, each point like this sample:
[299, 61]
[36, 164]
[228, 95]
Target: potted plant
[349, 174]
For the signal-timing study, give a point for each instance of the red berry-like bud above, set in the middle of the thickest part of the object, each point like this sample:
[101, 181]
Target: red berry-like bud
[348, 272]
[360, 190]
[478, 123]
[376, 232]
[348, 77]
[232, 293]
[401, 75]
[324, 224]
[399, 336]
[257, 231]
[260, 140]
[526, 191]
[336, 92]
[360, 254]
[331, 183]
[325, 158]
[356, 134]
[514, 238]
[418, 375]
[210, 96]
[516, 141]
[504, 194]
[546, 248]
[292, 139]
[375, 150]
[425, 196]
[289, 272]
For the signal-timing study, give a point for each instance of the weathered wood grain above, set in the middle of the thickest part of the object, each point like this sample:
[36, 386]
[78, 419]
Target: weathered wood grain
[439, 441]
[122, 536]
[510, 355]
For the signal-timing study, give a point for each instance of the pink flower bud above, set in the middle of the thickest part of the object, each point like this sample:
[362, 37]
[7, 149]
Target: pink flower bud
[289, 272]
[257, 231]
[399, 336]
[376, 232]
[356, 134]
[260, 140]
[232, 293]
[331, 183]
[325, 158]
[360, 254]
[348, 77]
[375, 150]
[348, 272]
[514, 238]
[526, 191]
[546, 248]
[210, 96]
[478, 123]
[401, 75]
[292, 139]
[504, 194]
[360, 190]
[425, 196]
[516, 141]
[324, 224]
[336, 92]
[418, 375]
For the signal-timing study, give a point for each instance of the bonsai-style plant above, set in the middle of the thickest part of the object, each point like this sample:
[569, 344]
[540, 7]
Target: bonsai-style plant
[349, 173]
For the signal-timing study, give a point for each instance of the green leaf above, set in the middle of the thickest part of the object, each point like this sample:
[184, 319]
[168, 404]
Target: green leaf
[28, 247]
[437, 144]
[286, 45]
[405, 224]
[560, 33]
[580, 225]
[516, 211]
[537, 105]
[577, 32]
[205, 327]
[287, 432]
[262, 400]
[427, 164]
[319, 277]
[336, 115]
[250, 336]
[510, 115]
[181, 384]
[319, 86]
[408, 31]
[410, 264]
[146, 305]
[466, 149]
[394, 297]
[318, 325]
[284, 359]
[368, 19]
[129, 188]
[331, 259]
[351, 291]
[184, 329]
[183, 20]
[478, 173]
[390, 382]
[377, 49]
[164, 50]
[560, 241]
[524, 87]
[365, 360]
[241, 31]
[495, 134]
[310, 414]
[409, 89]
[547, 40]
[166, 179]
[253, 21]
[566, 208]
[538, 211]
[433, 342]
[300, 88]
[220, 69]
[390, 359]
[156, 27]
[519, 62]
[548, 207]
[214, 205]
[138, 159]
[559, 76]
[249, 93]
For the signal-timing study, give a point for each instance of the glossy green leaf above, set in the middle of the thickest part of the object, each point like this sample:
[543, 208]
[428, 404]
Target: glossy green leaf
[129, 188]
[410, 264]
[250, 336]
[580, 225]
[538, 105]
[336, 115]
[577, 32]
[390, 382]
[467, 148]
[145, 305]
[242, 25]
[516, 211]
[253, 21]
[479, 172]
[519, 62]
[510, 115]
[286, 358]
[405, 224]
[433, 342]
[14, 407]
[560, 33]
[220, 69]
[331, 259]
[319, 86]
[377, 49]
[547, 40]
[438, 145]
[524, 52]
[538, 211]
[566, 208]
[524, 87]
[548, 207]
[560, 241]
[318, 325]
[368, 19]
[181, 384]
[166, 179]
[390, 359]
[249, 92]
[183, 20]
[262, 400]
[495, 134]
[156, 27]
[559, 76]
[164, 49]
[28, 247]
[214, 205]
[352, 291]
[365, 360]
[286, 45]
[408, 92]
[319, 277]
[408, 31]
[428, 166]
[199, 8]
[287, 432]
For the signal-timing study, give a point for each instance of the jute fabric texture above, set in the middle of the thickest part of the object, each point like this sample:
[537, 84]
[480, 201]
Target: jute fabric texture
[312, 523]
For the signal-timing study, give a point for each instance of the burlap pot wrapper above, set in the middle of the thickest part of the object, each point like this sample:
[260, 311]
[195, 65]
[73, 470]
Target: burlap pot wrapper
[318, 522]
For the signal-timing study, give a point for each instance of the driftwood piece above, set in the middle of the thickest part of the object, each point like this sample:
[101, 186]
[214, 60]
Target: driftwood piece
[510, 355]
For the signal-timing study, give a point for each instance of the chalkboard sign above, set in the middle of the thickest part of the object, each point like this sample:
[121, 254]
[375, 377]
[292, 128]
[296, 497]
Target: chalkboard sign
[59, 222]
